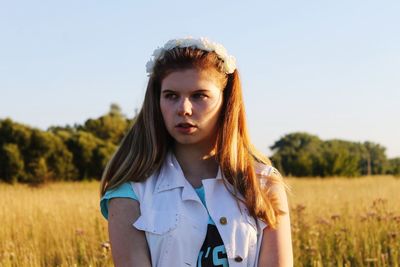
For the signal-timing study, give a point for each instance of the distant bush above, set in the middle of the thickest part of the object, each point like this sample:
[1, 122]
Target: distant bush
[61, 153]
[301, 154]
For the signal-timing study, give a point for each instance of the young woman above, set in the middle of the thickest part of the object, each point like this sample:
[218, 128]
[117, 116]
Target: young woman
[186, 187]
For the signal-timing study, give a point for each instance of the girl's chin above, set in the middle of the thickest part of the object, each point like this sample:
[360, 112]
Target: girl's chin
[185, 141]
[193, 141]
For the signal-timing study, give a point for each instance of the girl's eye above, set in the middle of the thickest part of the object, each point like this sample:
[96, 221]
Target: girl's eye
[200, 96]
[170, 96]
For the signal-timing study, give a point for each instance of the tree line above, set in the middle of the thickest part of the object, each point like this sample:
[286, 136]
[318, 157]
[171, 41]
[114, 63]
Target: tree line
[80, 152]
[70, 153]
[302, 154]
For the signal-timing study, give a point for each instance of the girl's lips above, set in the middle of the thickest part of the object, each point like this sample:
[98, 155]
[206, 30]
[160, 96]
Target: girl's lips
[185, 128]
[185, 124]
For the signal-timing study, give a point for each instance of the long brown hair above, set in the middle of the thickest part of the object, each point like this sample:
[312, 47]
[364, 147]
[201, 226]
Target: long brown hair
[145, 146]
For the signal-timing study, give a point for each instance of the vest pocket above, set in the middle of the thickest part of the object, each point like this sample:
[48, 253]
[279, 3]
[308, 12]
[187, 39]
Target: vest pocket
[159, 226]
[157, 222]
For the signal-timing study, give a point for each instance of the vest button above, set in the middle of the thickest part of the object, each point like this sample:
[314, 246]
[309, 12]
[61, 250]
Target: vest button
[223, 220]
[238, 259]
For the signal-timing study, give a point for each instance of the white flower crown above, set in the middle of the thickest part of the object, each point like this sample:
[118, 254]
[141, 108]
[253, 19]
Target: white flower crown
[202, 44]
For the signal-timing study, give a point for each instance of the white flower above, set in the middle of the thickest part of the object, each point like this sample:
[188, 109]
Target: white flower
[149, 66]
[186, 43]
[230, 64]
[158, 52]
[202, 44]
[170, 44]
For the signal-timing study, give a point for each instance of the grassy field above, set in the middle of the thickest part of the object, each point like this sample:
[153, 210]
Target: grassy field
[346, 222]
[335, 222]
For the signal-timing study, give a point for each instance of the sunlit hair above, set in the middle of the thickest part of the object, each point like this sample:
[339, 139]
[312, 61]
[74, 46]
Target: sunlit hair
[144, 148]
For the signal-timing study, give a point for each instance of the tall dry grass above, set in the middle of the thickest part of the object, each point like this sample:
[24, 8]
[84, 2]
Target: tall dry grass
[54, 225]
[335, 222]
[346, 222]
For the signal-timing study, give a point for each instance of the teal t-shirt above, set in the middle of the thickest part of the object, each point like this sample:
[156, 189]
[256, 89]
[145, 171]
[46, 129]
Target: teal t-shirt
[212, 253]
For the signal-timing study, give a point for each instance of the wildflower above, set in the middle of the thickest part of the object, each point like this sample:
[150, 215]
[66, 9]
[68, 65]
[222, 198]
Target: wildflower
[379, 201]
[323, 221]
[393, 235]
[314, 233]
[106, 245]
[295, 229]
[311, 249]
[396, 219]
[299, 208]
[79, 232]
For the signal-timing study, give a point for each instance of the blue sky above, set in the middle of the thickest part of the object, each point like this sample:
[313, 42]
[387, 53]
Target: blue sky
[329, 68]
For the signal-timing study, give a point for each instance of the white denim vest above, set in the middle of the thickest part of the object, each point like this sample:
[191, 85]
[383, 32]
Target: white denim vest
[175, 221]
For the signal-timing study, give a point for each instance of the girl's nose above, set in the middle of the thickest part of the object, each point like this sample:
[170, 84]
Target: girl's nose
[184, 107]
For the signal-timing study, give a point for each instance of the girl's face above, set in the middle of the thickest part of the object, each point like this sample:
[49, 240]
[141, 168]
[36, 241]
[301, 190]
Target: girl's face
[190, 103]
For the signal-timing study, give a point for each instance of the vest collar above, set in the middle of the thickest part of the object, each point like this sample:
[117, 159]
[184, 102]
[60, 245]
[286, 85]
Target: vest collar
[171, 175]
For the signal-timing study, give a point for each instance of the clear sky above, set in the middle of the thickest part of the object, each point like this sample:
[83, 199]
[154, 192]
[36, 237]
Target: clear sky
[329, 68]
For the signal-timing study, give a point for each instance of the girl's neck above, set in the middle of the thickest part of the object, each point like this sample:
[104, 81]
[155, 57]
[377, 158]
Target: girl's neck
[197, 162]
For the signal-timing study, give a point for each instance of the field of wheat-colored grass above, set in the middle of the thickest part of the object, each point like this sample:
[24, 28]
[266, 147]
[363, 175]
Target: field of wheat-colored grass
[335, 222]
[346, 222]
[54, 225]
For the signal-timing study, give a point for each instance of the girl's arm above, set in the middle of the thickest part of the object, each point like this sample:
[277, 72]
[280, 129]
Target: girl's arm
[276, 245]
[128, 245]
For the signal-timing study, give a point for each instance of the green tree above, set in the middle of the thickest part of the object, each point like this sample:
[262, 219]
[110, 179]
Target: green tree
[341, 158]
[302, 154]
[15, 133]
[109, 127]
[11, 163]
[60, 161]
[394, 166]
[101, 155]
[90, 154]
[375, 160]
[60, 153]
[40, 152]
[298, 154]
[39, 172]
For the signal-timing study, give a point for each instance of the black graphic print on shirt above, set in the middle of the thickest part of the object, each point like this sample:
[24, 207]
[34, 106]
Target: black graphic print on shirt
[212, 253]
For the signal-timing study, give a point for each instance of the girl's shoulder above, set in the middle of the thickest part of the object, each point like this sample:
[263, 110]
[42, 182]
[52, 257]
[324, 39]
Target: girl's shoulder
[269, 176]
[263, 170]
[125, 190]
[272, 180]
